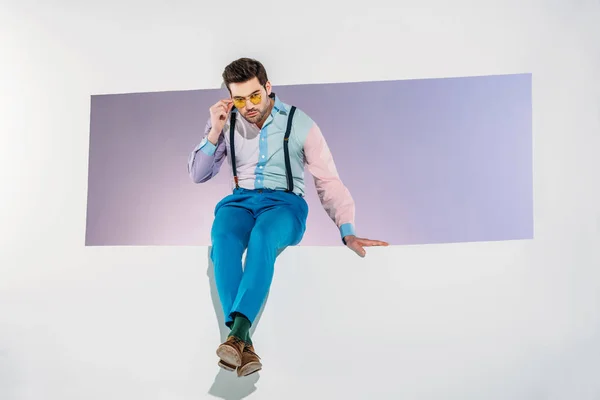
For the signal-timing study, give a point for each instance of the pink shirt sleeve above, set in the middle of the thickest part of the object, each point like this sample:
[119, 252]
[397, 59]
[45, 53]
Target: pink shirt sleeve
[334, 196]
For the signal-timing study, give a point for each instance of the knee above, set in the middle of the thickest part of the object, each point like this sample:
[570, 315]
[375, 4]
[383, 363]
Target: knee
[263, 234]
[226, 241]
[266, 238]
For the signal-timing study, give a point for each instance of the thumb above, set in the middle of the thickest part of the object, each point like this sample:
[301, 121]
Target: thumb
[360, 251]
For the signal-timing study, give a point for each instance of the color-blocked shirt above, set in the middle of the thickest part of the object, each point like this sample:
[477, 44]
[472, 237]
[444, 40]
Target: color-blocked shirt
[260, 160]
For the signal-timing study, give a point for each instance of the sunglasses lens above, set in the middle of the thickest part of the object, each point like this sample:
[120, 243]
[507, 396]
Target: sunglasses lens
[241, 103]
[255, 98]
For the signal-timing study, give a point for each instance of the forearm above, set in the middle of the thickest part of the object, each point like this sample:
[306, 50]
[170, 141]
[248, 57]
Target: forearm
[205, 160]
[212, 136]
[333, 194]
[337, 203]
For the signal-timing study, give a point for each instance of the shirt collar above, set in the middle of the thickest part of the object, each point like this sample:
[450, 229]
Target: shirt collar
[278, 105]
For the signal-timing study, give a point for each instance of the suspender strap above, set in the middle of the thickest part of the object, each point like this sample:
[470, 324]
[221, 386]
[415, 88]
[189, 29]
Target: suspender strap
[232, 150]
[288, 167]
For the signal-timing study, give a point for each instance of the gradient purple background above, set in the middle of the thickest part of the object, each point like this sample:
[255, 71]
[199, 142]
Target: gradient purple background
[427, 161]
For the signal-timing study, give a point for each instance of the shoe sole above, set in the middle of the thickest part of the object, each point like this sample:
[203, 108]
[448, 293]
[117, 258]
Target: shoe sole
[226, 366]
[249, 369]
[229, 356]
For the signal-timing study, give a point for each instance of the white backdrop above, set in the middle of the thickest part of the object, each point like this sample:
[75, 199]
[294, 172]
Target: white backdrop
[506, 320]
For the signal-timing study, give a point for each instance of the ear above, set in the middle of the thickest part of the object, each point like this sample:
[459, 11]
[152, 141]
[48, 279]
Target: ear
[268, 88]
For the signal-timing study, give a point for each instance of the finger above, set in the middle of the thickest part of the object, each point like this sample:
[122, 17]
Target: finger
[380, 243]
[358, 249]
[221, 108]
[369, 242]
[222, 104]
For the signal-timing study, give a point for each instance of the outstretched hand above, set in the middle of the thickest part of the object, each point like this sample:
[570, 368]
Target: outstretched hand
[358, 244]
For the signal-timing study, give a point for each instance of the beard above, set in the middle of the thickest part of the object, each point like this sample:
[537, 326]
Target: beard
[255, 117]
[259, 115]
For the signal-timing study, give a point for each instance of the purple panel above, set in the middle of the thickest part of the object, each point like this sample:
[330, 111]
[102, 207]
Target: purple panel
[427, 161]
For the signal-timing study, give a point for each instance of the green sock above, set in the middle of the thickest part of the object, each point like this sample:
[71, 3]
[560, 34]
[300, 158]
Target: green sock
[241, 328]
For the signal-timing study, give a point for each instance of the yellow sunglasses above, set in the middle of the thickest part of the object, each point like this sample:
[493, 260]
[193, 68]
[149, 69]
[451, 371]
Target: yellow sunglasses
[240, 102]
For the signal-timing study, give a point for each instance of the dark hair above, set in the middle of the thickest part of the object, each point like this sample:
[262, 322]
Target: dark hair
[244, 69]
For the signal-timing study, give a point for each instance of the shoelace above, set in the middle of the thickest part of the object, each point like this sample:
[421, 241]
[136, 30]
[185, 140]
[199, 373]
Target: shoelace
[236, 340]
[248, 350]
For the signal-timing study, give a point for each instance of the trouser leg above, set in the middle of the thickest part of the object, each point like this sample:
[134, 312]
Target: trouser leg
[275, 229]
[230, 235]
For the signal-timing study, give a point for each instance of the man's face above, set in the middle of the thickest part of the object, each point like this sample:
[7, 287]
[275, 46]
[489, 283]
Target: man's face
[246, 94]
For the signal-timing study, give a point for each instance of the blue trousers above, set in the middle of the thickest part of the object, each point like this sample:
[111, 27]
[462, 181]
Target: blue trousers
[263, 222]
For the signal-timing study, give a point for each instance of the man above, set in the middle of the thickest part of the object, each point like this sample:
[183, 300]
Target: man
[267, 143]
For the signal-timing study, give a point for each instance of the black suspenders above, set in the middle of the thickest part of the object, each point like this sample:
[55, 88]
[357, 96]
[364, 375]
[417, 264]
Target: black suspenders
[232, 148]
[288, 166]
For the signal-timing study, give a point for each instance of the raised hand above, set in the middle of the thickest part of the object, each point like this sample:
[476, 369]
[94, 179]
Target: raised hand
[358, 244]
[218, 116]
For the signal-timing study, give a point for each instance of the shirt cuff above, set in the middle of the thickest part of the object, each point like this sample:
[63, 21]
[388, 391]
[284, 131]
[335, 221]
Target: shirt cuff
[345, 230]
[207, 147]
